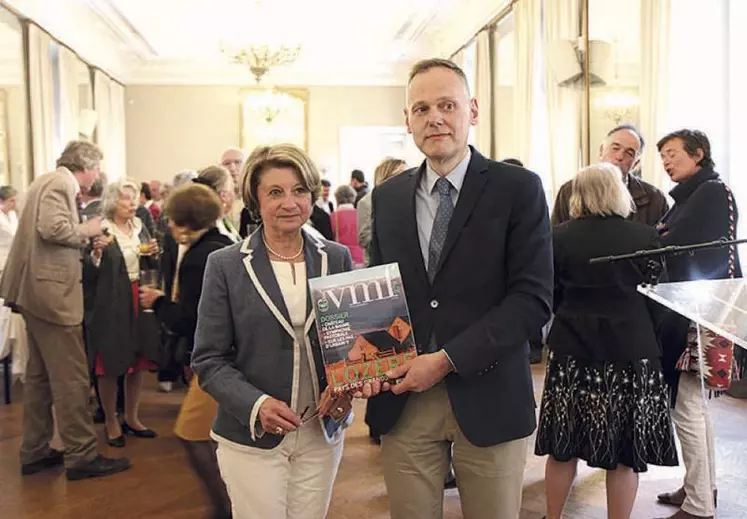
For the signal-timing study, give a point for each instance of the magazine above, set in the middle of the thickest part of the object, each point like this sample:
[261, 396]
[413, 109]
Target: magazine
[363, 324]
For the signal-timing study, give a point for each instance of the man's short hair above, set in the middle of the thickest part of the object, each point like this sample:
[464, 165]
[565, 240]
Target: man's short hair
[326, 183]
[425, 65]
[80, 155]
[692, 141]
[632, 128]
[358, 175]
[145, 190]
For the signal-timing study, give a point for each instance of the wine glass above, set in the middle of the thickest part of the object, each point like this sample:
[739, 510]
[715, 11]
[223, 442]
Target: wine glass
[149, 278]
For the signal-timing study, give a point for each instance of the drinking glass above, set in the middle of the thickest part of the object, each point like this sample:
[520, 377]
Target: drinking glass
[149, 278]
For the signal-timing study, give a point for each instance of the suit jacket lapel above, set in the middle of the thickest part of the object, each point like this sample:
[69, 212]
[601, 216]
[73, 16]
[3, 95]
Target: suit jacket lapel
[472, 188]
[411, 222]
[260, 271]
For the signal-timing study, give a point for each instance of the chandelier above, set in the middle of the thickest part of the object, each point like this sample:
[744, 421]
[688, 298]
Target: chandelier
[262, 50]
[268, 104]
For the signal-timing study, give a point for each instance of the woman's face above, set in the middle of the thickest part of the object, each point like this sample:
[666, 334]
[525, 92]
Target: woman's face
[284, 202]
[126, 205]
[677, 163]
[9, 204]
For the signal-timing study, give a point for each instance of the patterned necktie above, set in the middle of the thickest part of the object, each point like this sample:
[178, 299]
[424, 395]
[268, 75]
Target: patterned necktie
[440, 225]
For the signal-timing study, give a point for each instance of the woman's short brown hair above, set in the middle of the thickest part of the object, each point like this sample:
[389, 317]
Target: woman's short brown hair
[277, 156]
[193, 205]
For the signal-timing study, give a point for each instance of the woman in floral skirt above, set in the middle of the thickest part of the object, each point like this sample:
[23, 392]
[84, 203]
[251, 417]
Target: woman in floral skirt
[605, 399]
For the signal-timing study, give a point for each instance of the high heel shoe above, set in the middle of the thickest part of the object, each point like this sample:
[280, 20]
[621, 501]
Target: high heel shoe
[117, 442]
[142, 433]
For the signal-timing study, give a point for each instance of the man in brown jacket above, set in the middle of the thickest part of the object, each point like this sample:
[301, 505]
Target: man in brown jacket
[623, 148]
[43, 279]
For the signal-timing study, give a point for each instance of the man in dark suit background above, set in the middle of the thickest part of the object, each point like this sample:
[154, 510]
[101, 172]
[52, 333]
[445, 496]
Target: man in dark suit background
[473, 242]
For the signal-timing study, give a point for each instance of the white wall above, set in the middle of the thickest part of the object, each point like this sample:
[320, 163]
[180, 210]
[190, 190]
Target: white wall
[172, 128]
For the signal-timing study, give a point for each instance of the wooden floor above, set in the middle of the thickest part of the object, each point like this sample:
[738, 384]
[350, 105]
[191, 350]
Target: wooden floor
[160, 485]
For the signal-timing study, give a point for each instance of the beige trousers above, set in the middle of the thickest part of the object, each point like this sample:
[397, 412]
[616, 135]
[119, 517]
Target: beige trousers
[57, 373]
[292, 481]
[692, 421]
[415, 457]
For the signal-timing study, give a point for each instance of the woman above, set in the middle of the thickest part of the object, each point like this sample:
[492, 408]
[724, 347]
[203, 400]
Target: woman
[120, 338]
[605, 399]
[220, 180]
[388, 168]
[193, 212]
[704, 210]
[257, 351]
[345, 223]
[8, 222]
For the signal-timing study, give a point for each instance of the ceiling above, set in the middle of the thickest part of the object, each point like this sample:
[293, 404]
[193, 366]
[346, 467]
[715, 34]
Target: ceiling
[349, 42]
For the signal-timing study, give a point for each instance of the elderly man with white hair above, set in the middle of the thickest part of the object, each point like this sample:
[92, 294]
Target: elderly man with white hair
[233, 160]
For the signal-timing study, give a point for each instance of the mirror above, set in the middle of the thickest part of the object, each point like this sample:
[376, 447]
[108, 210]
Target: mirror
[14, 153]
[273, 116]
[614, 36]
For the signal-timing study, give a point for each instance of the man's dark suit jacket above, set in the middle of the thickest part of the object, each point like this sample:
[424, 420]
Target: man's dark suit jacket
[492, 290]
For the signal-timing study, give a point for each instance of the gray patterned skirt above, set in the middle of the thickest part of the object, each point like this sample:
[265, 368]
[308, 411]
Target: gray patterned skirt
[606, 413]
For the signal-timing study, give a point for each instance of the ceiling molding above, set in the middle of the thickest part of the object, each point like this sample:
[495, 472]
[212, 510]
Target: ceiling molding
[122, 28]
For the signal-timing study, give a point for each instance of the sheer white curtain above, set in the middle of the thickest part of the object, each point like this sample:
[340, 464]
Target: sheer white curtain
[528, 24]
[561, 23]
[41, 77]
[483, 94]
[109, 103]
[655, 54]
[69, 96]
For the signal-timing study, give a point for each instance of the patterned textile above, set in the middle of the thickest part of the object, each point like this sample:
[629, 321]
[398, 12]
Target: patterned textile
[719, 362]
[440, 225]
[606, 413]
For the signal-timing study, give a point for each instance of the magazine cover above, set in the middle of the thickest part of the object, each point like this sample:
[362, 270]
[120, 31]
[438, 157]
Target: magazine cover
[363, 324]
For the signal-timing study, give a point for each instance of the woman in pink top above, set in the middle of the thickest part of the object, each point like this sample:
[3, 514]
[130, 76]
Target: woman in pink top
[345, 223]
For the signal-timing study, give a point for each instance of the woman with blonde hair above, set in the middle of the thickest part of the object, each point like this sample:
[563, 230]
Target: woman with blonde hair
[605, 398]
[257, 351]
[120, 338]
[388, 168]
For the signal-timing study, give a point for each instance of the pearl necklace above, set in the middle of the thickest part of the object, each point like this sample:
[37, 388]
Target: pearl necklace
[284, 258]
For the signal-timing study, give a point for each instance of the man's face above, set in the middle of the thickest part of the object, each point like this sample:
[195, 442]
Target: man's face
[233, 161]
[325, 193]
[155, 190]
[439, 113]
[623, 149]
[86, 178]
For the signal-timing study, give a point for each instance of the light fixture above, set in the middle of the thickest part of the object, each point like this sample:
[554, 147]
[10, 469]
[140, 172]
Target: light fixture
[261, 49]
[268, 103]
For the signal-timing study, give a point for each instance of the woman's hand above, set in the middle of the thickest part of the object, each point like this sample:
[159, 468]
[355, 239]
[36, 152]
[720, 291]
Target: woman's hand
[336, 405]
[277, 418]
[148, 297]
[153, 249]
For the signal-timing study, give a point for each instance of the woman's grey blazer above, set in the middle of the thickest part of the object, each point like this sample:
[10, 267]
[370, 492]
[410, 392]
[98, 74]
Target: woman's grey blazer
[244, 343]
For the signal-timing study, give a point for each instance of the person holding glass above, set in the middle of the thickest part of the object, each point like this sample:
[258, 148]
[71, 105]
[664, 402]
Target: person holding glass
[257, 353]
[119, 337]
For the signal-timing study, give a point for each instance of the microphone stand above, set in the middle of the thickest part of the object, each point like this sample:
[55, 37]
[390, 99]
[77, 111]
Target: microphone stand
[656, 257]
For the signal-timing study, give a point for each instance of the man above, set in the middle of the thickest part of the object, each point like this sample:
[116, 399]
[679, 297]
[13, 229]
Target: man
[146, 201]
[92, 199]
[324, 202]
[358, 182]
[623, 148]
[43, 279]
[233, 160]
[473, 242]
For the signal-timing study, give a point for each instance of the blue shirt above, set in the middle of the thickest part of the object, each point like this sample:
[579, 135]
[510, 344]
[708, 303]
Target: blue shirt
[426, 199]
